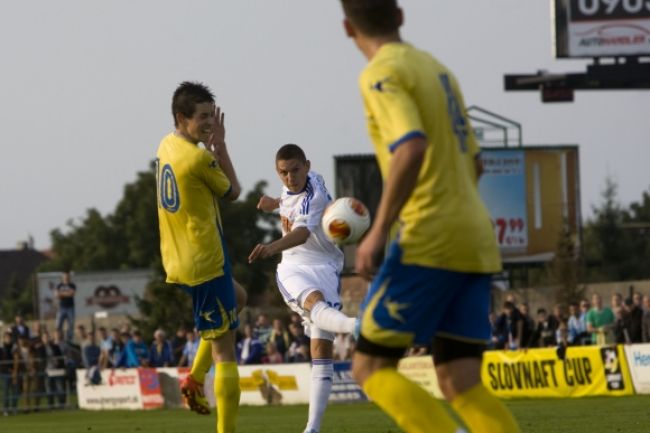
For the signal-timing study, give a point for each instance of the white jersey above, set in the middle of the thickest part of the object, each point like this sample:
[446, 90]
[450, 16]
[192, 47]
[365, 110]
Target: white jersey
[305, 209]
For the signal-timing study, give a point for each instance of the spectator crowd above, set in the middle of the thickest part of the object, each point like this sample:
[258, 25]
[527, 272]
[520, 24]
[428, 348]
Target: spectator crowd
[38, 368]
[624, 321]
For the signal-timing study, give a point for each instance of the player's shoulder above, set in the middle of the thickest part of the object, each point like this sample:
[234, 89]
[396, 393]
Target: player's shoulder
[172, 144]
[316, 183]
[393, 65]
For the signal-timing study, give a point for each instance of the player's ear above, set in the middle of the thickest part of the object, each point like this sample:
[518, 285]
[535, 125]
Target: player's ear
[180, 119]
[400, 17]
[349, 29]
[308, 164]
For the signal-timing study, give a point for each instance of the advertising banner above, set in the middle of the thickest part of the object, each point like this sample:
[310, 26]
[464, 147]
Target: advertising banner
[133, 388]
[503, 189]
[344, 387]
[113, 292]
[420, 370]
[274, 384]
[638, 359]
[602, 28]
[582, 371]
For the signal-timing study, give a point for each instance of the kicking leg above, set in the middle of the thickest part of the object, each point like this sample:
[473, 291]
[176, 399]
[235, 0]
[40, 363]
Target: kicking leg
[325, 317]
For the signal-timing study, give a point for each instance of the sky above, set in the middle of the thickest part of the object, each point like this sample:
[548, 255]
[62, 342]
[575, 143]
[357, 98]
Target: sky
[85, 92]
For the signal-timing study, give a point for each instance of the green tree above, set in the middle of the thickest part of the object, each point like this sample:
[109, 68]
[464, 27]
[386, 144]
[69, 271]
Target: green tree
[636, 222]
[605, 238]
[18, 298]
[617, 239]
[87, 245]
[135, 223]
[244, 227]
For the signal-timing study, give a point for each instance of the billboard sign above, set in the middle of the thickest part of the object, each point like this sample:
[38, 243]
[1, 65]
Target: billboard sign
[113, 292]
[531, 193]
[583, 371]
[638, 358]
[503, 187]
[601, 28]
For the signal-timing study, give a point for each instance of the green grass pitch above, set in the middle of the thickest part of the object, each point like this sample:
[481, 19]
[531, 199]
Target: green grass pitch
[589, 415]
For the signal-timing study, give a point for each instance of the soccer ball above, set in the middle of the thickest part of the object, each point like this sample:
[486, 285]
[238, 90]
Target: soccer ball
[345, 221]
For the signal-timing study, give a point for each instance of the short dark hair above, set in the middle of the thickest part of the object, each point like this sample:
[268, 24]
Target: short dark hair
[187, 95]
[290, 151]
[372, 17]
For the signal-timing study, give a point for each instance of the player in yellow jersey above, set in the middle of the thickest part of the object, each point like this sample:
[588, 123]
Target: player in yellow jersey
[433, 285]
[190, 181]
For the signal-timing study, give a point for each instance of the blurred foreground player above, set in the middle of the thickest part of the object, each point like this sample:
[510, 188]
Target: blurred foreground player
[190, 182]
[433, 285]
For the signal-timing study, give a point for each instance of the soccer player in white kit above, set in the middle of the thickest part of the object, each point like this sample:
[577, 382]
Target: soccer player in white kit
[309, 274]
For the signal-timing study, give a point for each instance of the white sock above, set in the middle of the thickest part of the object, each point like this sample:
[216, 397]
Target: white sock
[331, 319]
[322, 371]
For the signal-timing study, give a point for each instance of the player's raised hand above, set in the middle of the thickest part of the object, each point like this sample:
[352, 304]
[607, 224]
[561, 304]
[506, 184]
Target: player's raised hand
[369, 254]
[217, 140]
[268, 204]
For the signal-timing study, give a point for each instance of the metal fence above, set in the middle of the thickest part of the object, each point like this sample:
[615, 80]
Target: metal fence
[28, 385]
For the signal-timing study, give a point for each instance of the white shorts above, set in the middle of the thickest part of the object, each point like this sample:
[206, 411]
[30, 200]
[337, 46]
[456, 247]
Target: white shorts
[296, 282]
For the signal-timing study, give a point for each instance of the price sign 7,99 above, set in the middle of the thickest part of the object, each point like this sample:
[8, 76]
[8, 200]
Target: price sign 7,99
[511, 232]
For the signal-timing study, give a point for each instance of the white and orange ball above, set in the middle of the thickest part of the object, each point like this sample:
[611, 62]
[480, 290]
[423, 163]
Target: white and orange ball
[345, 221]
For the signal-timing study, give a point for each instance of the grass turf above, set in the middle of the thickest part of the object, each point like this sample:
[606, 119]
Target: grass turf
[592, 415]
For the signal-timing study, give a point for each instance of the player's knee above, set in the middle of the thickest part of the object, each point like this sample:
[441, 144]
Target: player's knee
[311, 299]
[241, 296]
[456, 377]
[445, 382]
[364, 365]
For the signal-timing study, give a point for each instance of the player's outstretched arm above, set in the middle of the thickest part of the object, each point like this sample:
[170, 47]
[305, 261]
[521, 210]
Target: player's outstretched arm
[268, 204]
[295, 237]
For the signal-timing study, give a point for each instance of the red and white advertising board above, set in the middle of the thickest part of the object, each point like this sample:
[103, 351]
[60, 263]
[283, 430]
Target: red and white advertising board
[120, 389]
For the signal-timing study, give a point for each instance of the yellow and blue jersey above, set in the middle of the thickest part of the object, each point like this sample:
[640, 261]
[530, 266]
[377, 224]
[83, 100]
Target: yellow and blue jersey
[444, 223]
[190, 182]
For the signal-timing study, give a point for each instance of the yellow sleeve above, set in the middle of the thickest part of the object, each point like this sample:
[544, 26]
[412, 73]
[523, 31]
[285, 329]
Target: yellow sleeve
[388, 101]
[210, 172]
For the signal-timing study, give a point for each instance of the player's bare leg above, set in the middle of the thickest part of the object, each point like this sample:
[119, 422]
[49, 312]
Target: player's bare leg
[482, 412]
[325, 317]
[322, 372]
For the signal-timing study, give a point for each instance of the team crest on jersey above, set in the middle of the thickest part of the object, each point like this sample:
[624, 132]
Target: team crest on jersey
[214, 164]
[382, 85]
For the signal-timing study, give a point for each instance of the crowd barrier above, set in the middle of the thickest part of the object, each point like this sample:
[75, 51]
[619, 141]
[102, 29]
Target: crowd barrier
[35, 387]
[575, 372]
[148, 388]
